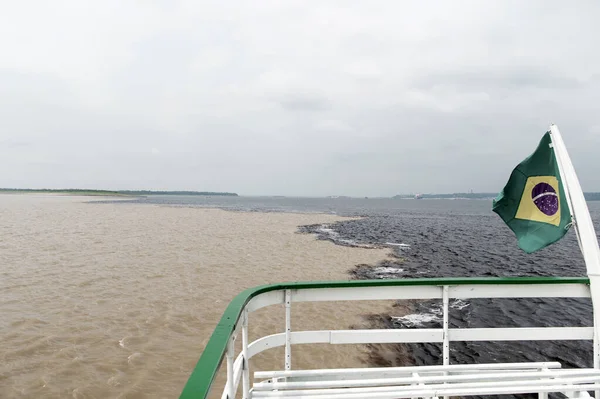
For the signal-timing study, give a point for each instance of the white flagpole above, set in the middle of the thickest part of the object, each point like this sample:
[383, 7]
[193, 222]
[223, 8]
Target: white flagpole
[584, 228]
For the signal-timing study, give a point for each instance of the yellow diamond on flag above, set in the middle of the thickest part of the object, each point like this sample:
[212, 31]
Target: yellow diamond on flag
[540, 201]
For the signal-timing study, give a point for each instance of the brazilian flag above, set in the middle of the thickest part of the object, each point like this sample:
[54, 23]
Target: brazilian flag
[533, 203]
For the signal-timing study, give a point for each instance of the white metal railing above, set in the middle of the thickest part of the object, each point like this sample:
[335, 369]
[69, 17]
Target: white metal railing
[239, 368]
[441, 289]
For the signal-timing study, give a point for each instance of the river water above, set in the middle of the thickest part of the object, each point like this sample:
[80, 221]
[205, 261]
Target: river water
[118, 298]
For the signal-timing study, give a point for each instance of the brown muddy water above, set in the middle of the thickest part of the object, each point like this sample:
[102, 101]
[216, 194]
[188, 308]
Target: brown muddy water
[119, 300]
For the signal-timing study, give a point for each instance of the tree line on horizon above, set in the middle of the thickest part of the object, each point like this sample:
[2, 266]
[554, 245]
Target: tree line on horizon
[113, 192]
[593, 196]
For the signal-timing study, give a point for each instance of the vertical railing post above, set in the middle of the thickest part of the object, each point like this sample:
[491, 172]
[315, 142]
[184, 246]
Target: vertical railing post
[596, 341]
[288, 330]
[544, 395]
[446, 344]
[245, 365]
[229, 355]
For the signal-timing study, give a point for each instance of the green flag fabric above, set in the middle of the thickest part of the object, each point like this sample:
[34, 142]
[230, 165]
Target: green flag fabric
[533, 203]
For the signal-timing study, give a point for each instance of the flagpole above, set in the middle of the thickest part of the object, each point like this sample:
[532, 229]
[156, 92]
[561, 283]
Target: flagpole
[584, 228]
[567, 192]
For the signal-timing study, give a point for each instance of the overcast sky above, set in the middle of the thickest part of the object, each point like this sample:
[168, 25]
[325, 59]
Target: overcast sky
[365, 98]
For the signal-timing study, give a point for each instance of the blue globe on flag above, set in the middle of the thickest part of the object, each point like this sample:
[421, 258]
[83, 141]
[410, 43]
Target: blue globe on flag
[545, 198]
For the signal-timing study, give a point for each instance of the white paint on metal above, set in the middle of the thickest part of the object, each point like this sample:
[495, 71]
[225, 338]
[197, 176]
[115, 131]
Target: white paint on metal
[237, 373]
[421, 292]
[521, 334]
[265, 299]
[288, 330]
[367, 293]
[297, 337]
[429, 393]
[519, 291]
[586, 374]
[246, 364]
[385, 336]
[230, 380]
[399, 390]
[264, 343]
[237, 328]
[415, 375]
[446, 341]
[421, 335]
[238, 370]
[457, 368]
[544, 395]
[310, 337]
[346, 337]
[417, 391]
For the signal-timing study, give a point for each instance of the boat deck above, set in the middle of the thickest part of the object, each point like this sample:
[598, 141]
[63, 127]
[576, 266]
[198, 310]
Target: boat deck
[426, 381]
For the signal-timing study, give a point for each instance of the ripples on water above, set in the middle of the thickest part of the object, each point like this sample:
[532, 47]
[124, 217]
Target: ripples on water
[118, 300]
[449, 238]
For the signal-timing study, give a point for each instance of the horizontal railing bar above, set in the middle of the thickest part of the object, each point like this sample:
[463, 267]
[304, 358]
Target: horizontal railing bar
[521, 334]
[341, 337]
[436, 391]
[468, 392]
[492, 391]
[407, 369]
[397, 375]
[421, 335]
[434, 292]
[519, 291]
[519, 375]
[266, 299]
[402, 388]
[264, 343]
[366, 294]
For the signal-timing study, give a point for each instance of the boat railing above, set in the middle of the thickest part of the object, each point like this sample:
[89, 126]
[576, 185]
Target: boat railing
[235, 321]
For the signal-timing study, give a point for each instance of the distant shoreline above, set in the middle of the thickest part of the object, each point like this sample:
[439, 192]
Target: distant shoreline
[474, 196]
[109, 193]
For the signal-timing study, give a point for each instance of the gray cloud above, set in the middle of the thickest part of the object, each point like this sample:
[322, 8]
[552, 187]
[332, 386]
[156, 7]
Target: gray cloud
[12, 143]
[303, 102]
[506, 78]
[295, 97]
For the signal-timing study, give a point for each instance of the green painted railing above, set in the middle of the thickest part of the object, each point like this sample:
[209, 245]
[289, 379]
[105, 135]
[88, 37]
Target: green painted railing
[201, 379]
